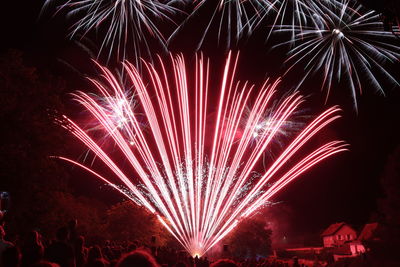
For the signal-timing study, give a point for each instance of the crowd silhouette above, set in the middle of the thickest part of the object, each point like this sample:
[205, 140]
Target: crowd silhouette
[68, 249]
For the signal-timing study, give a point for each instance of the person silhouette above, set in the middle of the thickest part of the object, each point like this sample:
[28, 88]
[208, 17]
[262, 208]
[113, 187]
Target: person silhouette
[138, 258]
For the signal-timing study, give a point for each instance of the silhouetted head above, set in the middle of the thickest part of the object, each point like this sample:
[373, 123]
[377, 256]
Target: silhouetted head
[32, 237]
[180, 264]
[11, 257]
[45, 264]
[99, 263]
[62, 234]
[224, 263]
[139, 258]
[72, 224]
[80, 241]
[2, 232]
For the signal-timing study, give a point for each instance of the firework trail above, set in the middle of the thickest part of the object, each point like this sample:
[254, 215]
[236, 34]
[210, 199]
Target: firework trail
[123, 21]
[348, 42]
[289, 128]
[191, 169]
[294, 14]
[242, 17]
[235, 18]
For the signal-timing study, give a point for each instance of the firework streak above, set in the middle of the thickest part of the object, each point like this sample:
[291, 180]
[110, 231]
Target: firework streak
[346, 42]
[189, 165]
[123, 22]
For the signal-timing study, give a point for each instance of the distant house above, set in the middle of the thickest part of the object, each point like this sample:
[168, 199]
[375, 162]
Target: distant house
[337, 234]
[348, 250]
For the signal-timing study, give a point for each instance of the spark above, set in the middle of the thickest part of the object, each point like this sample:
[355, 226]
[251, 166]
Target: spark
[349, 43]
[288, 128]
[123, 21]
[239, 18]
[338, 33]
[234, 18]
[187, 168]
[296, 13]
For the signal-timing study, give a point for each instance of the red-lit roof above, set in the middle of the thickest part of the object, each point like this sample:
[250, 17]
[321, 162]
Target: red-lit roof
[332, 229]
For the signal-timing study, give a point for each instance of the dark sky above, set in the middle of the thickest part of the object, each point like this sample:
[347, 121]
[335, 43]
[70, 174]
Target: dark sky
[344, 188]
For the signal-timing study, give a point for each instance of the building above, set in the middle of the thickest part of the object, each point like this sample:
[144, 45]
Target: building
[348, 250]
[338, 234]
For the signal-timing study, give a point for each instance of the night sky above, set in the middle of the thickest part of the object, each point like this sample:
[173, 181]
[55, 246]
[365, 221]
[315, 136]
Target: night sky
[343, 188]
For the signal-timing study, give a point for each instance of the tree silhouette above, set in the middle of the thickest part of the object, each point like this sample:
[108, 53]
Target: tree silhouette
[387, 236]
[128, 221]
[250, 238]
[28, 138]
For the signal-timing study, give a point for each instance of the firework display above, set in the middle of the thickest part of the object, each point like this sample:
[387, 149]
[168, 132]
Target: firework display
[339, 38]
[346, 42]
[294, 13]
[239, 18]
[203, 155]
[234, 18]
[123, 21]
[189, 154]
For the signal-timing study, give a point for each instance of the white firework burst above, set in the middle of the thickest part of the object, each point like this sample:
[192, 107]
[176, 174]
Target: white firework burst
[346, 42]
[233, 18]
[123, 22]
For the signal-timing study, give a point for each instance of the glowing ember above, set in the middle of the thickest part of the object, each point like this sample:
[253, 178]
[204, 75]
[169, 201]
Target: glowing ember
[190, 168]
[338, 33]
